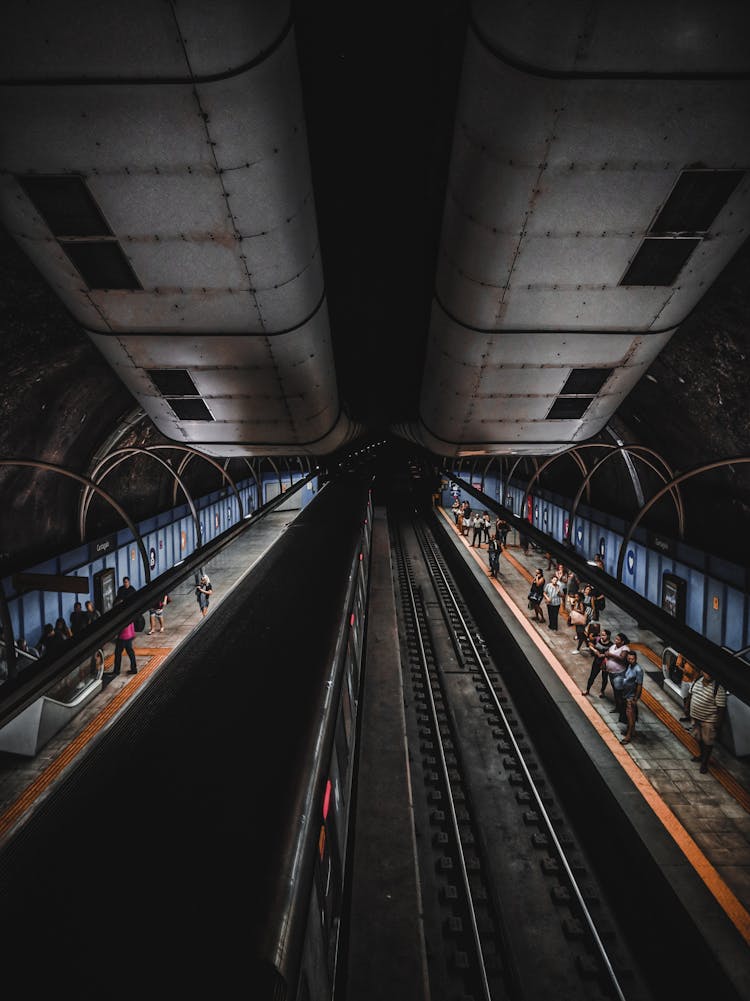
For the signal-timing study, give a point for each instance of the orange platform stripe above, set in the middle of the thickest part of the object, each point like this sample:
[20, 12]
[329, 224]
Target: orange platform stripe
[11, 817]
[710, 876]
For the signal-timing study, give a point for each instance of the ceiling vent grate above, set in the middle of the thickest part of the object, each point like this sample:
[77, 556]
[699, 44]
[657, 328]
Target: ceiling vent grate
[659, 261]
[66, 205]
[191, 410]
[101, 264]
[696, 200]
[586, 381]
[173, 381]
[568, 408]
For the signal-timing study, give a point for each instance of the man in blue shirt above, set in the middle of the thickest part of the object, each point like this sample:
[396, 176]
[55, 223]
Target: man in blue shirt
[632, 686]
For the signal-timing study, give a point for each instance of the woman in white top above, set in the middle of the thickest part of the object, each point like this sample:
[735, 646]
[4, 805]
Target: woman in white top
[615, 665]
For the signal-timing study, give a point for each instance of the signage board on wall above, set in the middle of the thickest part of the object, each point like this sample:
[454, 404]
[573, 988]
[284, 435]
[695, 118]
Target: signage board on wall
[662, 544]
[673, 591]
[104, 589]
[101, 547]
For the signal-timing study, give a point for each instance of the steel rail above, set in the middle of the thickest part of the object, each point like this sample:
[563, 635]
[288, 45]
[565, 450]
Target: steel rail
[600, 947]
[446, 780]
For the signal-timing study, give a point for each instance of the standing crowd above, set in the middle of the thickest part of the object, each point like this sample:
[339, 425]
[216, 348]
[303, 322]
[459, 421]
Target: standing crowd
[613, 660]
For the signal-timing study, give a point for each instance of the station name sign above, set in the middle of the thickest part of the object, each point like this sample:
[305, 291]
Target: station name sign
[103, 546]
[662, 544]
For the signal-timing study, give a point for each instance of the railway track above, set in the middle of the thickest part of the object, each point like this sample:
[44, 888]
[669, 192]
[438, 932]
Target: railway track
[511, 907]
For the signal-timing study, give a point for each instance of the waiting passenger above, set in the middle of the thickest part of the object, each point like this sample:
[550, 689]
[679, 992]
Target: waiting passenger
[124, 641]
[615, 666]
[78, 619]
[467, 518]
[92, 613]
[708, 704]
[579, 620]
[588, 597]
[126, 592]
[156, 615]
[632, 687]
[476, 525]
[493, 549]
[536, 596]
[598, 645]
[51, 643]
[502, 528]
[63, 630]
[574, 586]
[553, 597]
[23, 647]
[689, 674]
[203, 593]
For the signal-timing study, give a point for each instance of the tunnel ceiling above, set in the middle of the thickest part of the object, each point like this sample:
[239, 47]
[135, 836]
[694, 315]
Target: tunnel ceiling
[380, 103]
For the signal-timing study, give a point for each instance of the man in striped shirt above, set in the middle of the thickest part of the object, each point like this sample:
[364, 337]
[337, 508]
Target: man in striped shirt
[708, 703]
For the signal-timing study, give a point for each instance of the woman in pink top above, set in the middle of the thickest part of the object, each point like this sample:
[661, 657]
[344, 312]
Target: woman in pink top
[125, 642]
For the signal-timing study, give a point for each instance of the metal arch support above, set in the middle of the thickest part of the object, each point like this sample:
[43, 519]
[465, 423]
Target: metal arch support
[658, 496]
[184, 463]
[487, 465]
[86, 482]
[111, 461]
[486, 470]
[276, 469]
[252, 469]
[519, 460]
[514, 467]
[121, 455]
[631, 450]
[288, 464]
[584, 469]
[548, 462]
[189, 453]
[579, 447]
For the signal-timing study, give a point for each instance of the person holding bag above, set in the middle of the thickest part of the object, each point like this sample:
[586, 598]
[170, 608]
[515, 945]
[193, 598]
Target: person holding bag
[578, 618]
[536, 594]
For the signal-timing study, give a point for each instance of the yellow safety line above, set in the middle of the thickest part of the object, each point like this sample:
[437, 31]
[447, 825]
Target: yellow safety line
[729, 903]
[26, 800]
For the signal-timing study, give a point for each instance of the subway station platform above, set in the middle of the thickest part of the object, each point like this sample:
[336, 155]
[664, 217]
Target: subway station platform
[706, 815]
[24, 781]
